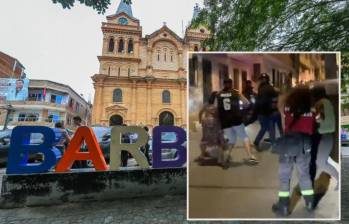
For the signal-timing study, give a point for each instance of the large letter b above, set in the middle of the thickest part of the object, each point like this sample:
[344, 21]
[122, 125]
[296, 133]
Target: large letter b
[158, 145]
[21, 147]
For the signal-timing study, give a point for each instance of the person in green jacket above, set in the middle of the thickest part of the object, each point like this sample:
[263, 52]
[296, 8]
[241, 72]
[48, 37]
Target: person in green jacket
[326, 119]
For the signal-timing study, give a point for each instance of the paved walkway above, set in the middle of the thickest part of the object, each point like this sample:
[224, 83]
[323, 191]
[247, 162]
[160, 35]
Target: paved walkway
[169, 209]
[243, 191]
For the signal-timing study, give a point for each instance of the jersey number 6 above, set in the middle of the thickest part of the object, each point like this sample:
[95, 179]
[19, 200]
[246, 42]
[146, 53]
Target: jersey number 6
[226, 104]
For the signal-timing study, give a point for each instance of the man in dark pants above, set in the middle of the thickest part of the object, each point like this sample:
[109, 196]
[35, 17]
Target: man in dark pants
[266, 108]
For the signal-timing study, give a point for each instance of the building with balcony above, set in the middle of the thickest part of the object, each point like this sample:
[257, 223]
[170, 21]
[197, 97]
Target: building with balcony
[48, 102]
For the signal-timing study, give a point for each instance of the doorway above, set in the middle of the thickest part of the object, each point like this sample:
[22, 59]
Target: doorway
[166, 118]
[116, 120]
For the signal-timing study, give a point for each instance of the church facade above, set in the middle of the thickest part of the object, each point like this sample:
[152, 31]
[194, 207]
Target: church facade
[142, 80]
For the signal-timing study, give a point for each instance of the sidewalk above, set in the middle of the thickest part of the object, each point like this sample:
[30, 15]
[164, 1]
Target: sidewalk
[244, 191]
[165, 210]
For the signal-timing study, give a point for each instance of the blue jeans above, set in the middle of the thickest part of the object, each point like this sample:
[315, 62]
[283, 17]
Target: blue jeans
[267, 124]
[276, 118]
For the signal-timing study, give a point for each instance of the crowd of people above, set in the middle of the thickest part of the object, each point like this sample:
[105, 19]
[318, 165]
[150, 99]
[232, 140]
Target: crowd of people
[306, 124]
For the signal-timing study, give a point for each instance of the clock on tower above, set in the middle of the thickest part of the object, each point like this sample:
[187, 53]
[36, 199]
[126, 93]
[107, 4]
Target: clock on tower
[123, 21]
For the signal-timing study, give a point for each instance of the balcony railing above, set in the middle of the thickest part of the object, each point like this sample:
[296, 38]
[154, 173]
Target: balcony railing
[42, 103]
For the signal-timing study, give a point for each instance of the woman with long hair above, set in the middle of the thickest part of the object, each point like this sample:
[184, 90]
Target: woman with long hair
[294, 148]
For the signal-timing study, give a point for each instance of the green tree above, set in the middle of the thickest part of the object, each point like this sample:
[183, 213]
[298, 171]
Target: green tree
[345, 74]
[276, 25]
[99, 5]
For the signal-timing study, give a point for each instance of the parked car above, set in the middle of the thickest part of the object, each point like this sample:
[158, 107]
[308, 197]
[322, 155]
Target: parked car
[103, 135]
[5, 140]
[345, 148]
[5, 137]
[166, 154]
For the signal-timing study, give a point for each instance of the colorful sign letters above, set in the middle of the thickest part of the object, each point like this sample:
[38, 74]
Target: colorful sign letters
[21, 148]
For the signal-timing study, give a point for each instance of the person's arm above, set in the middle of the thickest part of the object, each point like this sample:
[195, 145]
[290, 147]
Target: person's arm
[201, 112]
[327, 115]
[212, 98]
[319, 112]
[245, 101]
[66, 136]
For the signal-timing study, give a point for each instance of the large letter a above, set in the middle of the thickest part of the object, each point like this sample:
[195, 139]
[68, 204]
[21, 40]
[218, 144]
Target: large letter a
[73, 153]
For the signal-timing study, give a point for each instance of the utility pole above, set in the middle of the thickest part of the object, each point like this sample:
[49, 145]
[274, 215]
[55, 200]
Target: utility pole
[9, 109]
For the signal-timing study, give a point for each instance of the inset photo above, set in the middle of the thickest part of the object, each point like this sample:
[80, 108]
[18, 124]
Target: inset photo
[264, 136]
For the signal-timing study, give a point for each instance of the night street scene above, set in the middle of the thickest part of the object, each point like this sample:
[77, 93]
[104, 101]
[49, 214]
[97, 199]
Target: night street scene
[262, 175]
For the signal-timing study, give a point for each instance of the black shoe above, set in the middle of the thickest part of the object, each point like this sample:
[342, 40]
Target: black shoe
[317, 199]
[258, 149]
[282, 206]
[309, 202]
[267, 140]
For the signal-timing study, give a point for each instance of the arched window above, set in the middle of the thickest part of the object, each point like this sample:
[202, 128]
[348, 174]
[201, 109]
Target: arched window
[166, 96]
[130, 46]
[117, 96]
[196, 48]
[121, 46]
[166, 118]
[158, 55]
[111, 45]
[128, 71]
[165, 54]
[119, 71]
[171, 56]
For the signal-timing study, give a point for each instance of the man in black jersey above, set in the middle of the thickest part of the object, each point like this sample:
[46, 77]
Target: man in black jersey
[230, 103]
